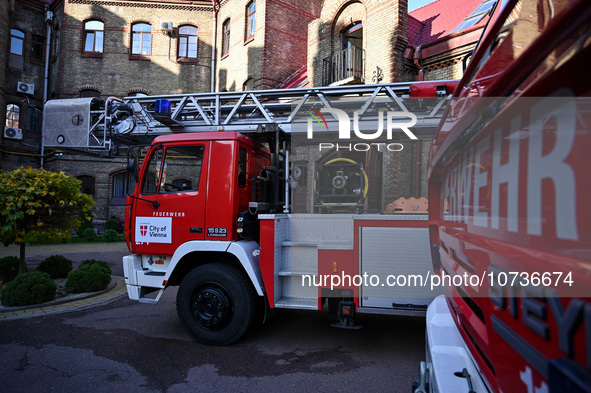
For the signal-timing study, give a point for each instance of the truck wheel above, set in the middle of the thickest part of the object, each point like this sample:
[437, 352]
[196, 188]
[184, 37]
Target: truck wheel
[216, 304]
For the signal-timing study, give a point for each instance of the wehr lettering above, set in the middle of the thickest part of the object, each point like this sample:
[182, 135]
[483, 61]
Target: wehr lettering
[484, 188]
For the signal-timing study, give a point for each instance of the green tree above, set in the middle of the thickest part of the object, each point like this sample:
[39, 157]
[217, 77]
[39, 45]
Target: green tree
[36, 205]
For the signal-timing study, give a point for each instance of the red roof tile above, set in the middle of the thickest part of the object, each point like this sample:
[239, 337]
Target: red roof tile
[438, 19]
[414, 29]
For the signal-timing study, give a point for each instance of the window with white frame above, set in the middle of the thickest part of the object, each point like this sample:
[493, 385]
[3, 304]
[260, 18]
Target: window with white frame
[94, 36]
[141, 39]
[188, 42]
[250, 20]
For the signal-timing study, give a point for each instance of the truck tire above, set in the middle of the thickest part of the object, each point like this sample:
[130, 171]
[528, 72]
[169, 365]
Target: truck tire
[216, 303]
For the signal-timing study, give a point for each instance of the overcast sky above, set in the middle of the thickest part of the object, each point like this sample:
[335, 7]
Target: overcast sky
[414, 4]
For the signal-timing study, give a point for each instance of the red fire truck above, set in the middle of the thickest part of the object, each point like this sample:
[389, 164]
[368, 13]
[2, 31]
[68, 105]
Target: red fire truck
[509, 193]
[252, 201]
[212, 211]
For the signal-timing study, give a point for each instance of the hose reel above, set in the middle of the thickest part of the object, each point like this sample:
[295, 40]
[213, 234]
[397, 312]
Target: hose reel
[341, 184]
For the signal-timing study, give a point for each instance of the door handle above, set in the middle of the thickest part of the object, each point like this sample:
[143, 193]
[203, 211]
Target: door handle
[196, 230]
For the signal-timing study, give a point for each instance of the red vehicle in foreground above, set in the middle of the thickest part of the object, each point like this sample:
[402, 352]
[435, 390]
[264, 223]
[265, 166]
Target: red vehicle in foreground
[510, 220]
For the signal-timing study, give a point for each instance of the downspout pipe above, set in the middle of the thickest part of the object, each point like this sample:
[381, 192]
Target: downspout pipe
[213, 45]
[48, 21]
[417, 61]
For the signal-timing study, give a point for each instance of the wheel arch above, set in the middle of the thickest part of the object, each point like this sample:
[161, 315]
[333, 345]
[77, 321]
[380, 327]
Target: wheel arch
[243, 255]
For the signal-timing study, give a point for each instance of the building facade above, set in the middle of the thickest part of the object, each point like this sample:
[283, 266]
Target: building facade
[22, 46]
[57, 49]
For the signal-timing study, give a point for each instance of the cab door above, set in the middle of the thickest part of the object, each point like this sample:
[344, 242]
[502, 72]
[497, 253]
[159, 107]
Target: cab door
[169, 208]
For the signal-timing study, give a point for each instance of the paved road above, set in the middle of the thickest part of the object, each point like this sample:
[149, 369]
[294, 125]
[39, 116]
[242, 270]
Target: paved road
[132, 347]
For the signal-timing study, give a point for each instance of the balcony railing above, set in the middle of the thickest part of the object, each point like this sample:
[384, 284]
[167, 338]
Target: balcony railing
[344, 66]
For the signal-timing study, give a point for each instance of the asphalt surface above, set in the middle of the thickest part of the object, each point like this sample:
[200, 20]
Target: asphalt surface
[121, 345]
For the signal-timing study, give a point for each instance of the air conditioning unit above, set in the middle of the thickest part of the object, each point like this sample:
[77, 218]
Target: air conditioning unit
[166, 26]
[13, 133]
[26, 88]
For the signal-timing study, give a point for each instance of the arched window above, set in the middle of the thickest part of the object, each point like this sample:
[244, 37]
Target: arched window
[90, 93]
[248, 84]
[226, 37]
[12, 116]
[93, 36]
[17, 42]
[123, 184]
[87, 185]
[188, 42]
[141, 39]
[250, 20]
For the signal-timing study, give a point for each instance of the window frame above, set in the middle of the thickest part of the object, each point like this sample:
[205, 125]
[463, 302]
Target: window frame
[187, 37]
[87, 32]
[226, 37]
[158, 175]
[83, 91]
[250, 21]
[10, 121]
[125, 188]
[142, 36]
[34, 119]
[38, 44]
[88, 182]
[15, 38]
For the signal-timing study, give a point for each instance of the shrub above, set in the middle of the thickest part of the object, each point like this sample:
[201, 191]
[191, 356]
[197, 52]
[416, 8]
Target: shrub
[57, 266]
[111, 223]
[91, 262]
[110, 235]
[89, 234]
[29, 288]
[85, 225]
[8, 268]
[88, 278]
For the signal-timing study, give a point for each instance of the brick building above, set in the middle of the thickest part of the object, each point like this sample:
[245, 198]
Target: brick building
[261, 43]
[358, 42]
[102, 48]
[22, 46]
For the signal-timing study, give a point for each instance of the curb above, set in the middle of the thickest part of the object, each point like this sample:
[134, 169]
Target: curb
[116, 288]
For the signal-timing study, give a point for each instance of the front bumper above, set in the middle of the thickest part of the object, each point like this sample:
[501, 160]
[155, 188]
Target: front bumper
[449, 367]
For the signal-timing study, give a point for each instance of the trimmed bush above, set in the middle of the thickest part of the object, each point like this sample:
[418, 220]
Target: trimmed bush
[91, 262]
[111, 223]
[8, 268]
[57, 266]
[89, 234]
[89, 277]
[29, 288]
[110, 235]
